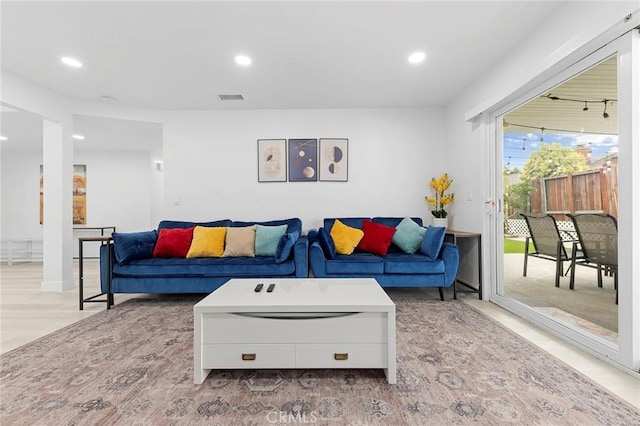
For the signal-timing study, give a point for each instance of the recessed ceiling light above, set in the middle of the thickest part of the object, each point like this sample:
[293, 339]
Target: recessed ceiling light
[243, 60]
[4, 138]
[417, 57]
[72, 62]
[78, 137]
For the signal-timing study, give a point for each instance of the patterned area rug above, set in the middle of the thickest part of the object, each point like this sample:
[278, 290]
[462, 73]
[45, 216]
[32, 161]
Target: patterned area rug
[132, 365]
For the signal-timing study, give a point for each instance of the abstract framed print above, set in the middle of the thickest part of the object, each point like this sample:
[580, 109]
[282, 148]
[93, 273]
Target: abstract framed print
[334, 160]
[303, 160]
[272, 160]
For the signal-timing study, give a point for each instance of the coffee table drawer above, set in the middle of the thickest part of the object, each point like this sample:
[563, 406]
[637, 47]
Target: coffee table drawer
[341, 356]
[248, 356]
[364, 327]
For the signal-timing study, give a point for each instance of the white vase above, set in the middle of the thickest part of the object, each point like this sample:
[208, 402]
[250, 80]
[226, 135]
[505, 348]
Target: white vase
[440, 222]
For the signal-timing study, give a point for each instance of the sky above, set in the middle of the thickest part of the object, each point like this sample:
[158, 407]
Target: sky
[518, 146]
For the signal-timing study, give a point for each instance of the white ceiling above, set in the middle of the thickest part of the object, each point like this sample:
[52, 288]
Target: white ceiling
[179, 55]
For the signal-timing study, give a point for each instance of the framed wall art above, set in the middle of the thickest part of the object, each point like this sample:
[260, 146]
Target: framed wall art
[272, 160]
[79, 194]
[334, 160]
[303, 160]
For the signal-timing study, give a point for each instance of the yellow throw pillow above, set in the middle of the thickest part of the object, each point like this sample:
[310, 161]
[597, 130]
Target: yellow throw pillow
[207, 241]
[345, 237]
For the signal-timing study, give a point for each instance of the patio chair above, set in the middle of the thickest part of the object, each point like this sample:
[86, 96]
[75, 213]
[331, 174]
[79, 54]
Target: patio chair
[547, 242]
[598, 238]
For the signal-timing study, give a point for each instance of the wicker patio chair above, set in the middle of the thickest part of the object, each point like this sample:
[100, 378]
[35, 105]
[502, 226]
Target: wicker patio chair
[598, 238]
[547, 243]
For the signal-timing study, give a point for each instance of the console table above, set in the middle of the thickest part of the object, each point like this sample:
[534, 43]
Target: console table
[453, 236]
[94, 228]
[109, 296]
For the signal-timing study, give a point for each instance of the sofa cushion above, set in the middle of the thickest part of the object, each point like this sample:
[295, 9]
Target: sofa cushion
[285, 245]
[312, 236]
[262, 266]
[432, 241]
[326, 243]
[345, 237]
[355, 264]
[403, 263]
[293, 224]
[134, 245]
[173, 242]
[377, 238]
[207, 241]
[240, 241]
[354, 222]
[172, 224]
[267, 239]
[394, 221]
[408, 236]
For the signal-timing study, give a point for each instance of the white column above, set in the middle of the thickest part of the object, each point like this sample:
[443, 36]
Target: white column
[57, 220]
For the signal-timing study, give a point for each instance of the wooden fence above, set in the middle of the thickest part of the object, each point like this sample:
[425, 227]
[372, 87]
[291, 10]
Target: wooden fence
[595, 191]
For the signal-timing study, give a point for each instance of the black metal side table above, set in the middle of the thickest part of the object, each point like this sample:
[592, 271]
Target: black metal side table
[453, 237]
[109, 296]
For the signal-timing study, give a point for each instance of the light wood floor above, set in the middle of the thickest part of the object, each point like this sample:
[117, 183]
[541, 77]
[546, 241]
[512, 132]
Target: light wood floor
[26, 313]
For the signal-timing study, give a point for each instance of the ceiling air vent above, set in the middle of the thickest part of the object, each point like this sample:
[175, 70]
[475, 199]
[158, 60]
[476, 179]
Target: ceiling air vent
[231, 97]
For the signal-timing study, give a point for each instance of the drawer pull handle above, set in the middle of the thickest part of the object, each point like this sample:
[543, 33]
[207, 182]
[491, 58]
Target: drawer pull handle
[341, 357]
[248, 357]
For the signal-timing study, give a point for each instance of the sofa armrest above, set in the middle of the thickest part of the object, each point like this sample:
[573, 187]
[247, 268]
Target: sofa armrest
[104, 268]
[451, 258]
[317, 260]
[301, 257]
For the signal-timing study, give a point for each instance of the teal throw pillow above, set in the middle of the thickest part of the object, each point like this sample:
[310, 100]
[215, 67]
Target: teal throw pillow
[408, 236]
[267, 239]
[432, 241]
[285, 245]
[326, 243]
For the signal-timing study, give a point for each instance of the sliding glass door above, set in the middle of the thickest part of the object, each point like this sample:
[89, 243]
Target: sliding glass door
[566, 159]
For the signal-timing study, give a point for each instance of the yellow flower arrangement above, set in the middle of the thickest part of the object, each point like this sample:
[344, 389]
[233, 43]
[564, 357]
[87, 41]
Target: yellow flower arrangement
[441, 200]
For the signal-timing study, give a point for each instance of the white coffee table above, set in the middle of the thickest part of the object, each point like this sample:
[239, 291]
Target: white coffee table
[303, 323]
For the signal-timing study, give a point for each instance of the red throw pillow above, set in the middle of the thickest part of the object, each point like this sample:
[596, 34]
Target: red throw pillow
[173, 242]
[377, 237]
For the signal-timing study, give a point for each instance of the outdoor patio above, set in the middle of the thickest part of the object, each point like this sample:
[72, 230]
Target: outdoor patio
[587, 306]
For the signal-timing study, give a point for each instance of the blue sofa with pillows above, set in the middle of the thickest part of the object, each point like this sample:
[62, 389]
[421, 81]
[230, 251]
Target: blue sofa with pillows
[198, 257]
[397, 252]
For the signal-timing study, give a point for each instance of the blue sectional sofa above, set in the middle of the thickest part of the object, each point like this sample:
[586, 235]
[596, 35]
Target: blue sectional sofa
[394, 269]
[134, 269]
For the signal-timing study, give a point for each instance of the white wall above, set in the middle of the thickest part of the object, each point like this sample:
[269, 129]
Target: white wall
[21, 195]
[210, 164]
[119, 191]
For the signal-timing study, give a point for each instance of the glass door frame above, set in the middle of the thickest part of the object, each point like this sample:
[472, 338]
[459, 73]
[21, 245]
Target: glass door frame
[626, 352]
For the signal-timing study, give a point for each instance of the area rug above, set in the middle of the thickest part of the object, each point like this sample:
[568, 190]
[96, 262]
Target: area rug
[133, 365]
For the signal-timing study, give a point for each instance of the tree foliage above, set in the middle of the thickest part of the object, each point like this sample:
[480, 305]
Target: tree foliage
[553, 160]
[516, 196]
